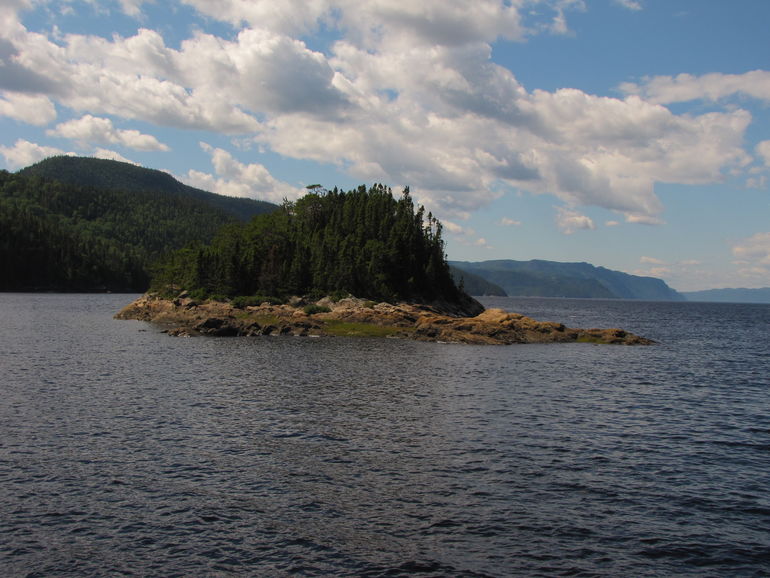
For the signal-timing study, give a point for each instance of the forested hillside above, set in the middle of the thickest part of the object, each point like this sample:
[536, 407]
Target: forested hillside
[112, 175]
[363, 242]
[65, 237]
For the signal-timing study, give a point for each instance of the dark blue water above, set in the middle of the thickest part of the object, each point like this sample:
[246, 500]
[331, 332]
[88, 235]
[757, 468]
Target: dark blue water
[127, 452]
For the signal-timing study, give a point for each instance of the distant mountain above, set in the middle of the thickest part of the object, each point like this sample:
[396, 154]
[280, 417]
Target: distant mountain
[761, 295]
[475, 285]
[538, 278]
[82, 224]
[112, 175]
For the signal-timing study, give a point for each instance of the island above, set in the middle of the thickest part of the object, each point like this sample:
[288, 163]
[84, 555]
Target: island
[350, 316]
[340, 263]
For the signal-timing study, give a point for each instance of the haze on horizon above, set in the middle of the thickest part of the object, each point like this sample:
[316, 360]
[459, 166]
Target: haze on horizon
[632, 134]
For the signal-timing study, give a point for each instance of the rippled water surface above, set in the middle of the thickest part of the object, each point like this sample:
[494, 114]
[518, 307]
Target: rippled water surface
[127, 452]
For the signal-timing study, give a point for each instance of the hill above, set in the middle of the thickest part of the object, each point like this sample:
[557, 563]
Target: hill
[74, 224]
[112, 175]
[538, 278]
[761, 295]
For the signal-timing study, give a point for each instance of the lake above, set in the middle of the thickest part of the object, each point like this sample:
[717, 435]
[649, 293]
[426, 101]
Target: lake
[124, 451]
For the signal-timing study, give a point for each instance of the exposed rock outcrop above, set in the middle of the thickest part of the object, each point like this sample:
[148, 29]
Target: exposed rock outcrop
[183, 317]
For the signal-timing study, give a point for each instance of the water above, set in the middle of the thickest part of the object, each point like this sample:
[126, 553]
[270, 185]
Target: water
[127, 452]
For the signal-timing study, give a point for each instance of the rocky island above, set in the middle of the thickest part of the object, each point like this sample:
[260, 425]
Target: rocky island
[329, 246]
[184, 316]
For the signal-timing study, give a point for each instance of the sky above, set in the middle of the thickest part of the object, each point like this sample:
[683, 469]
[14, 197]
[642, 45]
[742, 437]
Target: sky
[630, 134]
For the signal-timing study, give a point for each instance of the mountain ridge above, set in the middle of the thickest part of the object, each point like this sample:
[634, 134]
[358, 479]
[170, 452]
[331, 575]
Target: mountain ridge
[540, 278]
[730, 295]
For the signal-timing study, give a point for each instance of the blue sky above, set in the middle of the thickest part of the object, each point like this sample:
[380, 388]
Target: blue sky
[632, 134]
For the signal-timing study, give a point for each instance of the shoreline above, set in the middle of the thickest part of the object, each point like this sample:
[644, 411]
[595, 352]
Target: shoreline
[183, 316]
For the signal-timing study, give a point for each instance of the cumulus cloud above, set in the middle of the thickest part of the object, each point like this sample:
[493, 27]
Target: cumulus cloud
[507, 222]
[15, 75]
[263, 71]
[94, 130]
[31, 109]
[651, 261]
[237, 179]
[408, 94]
[24, 153]
[713, 87]
[570, 221]
[373, 22]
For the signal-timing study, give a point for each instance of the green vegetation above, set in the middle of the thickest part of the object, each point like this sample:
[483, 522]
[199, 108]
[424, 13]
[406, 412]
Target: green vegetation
[363, 242]
[77, 236]
[350, 329]
[313, 308]
[242, 301]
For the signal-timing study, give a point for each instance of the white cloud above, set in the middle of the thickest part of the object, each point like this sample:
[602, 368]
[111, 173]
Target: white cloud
[651, 261]
[630, 4]
[713, 87]
[754, 251]
[237, 179]
[570, 221]
[136, 78]
[263, 71]
[444, 22]
[31, 109]
[763, 150]
[507, 222]
[408, 95]
[90, 129]
[133, 7]
[24, 153]
[285, 17]
[101, 153]
[465, 235]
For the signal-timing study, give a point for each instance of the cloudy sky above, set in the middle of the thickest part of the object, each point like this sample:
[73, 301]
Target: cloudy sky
[633, 134]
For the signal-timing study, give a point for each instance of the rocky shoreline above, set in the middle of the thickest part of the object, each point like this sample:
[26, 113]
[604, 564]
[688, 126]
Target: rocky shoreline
[184, 316]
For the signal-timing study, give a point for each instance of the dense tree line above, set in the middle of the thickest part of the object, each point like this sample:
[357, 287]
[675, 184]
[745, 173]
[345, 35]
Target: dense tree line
[56, 236]
[364, 242]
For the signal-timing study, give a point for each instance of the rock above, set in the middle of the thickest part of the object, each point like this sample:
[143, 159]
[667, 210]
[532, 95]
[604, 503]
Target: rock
[416, 321]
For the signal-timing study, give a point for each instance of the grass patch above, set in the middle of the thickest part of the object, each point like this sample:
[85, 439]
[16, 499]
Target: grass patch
[345, 328]
[264, 320]
[590, 339]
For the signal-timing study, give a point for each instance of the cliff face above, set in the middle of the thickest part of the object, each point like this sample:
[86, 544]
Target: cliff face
[183, 317]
